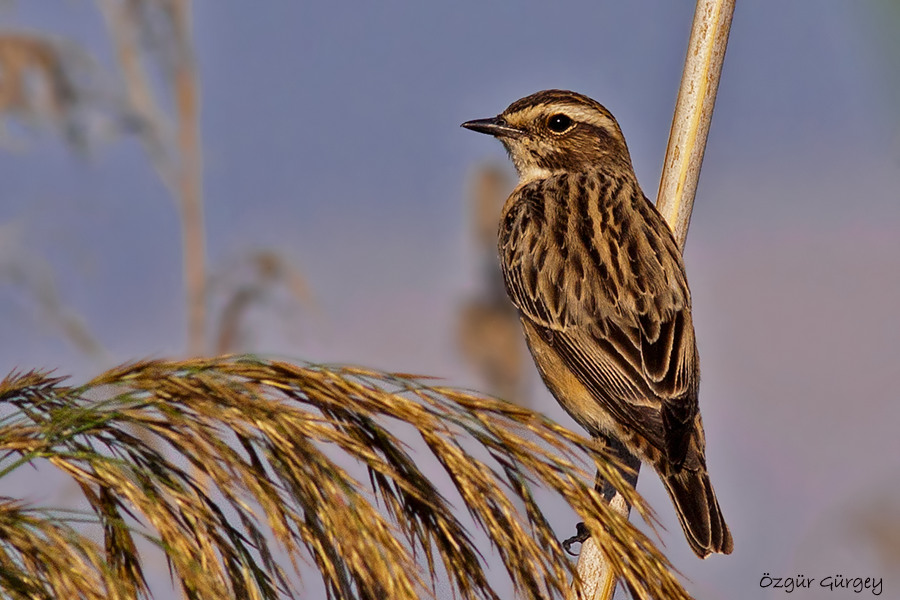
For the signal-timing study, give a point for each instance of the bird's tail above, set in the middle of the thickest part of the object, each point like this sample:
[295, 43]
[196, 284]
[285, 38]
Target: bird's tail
[699, 512]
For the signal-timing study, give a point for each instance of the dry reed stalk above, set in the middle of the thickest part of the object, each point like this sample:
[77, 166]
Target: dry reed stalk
[693, 114]
[190, 181]
[177, 158]
[675, 202]
[123, 24]
[488, 332]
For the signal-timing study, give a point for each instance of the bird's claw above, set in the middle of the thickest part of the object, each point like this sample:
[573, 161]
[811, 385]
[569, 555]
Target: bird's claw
[581, 535]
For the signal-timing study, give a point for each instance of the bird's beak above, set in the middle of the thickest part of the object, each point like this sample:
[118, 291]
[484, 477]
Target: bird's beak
[495, 126]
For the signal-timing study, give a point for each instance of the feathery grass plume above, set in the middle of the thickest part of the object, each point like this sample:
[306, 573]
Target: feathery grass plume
[263, 434]
[42, 556]
[34, 80]
[49, 80]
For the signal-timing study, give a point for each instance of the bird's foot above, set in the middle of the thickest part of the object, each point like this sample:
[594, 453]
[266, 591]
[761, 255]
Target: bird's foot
[581, 535]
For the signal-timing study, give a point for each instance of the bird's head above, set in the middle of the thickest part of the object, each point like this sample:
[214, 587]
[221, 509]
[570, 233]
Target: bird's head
[556, 130]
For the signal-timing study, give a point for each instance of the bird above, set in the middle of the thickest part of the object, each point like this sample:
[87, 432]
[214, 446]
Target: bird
[601, 291]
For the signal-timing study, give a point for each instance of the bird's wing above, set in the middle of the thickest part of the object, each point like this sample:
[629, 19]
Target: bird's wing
[614, 306]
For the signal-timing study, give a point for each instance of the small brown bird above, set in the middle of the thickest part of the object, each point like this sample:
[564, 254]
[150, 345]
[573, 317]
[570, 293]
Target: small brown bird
[601, 290]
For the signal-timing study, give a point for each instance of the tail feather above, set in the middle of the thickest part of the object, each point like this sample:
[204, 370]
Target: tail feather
[699, 512]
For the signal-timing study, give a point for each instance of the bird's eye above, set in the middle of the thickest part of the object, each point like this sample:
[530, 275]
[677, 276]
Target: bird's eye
[559, 123]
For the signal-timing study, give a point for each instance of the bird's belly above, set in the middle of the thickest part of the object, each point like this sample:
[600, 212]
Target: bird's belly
[579, 403]
[567, 389]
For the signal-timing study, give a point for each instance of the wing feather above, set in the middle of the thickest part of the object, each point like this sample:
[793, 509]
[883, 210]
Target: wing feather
[613, 301]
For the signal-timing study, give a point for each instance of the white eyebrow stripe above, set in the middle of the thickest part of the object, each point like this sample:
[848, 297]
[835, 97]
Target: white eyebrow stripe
[591, 116]
[527, 115]
[576, 112]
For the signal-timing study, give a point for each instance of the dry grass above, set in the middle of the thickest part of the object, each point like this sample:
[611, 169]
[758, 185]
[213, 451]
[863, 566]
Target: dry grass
[45, 80]
[488, 332]
[41, 556]
[260, 279]
[263, 434]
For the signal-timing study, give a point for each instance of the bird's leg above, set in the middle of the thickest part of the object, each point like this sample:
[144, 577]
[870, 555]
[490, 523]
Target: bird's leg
[630, 462]
[629, 467]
